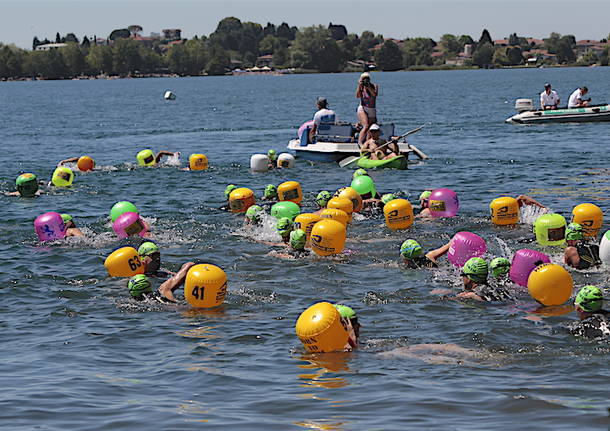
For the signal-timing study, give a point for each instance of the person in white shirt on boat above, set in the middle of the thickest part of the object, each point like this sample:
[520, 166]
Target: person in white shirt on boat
[549, 98]
[367, 110]
[577, 99]
[371, 146]
[324, 115]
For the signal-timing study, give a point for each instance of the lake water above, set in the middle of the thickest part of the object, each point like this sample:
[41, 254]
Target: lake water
[78, 354]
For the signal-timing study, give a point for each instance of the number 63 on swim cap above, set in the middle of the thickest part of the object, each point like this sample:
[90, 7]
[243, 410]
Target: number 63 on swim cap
[124, 262]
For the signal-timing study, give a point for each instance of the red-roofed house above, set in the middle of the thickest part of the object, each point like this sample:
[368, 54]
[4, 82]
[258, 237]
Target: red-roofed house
[501, 42]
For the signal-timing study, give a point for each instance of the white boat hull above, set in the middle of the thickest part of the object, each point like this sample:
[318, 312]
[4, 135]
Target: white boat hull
[331, 151]
[589, 114]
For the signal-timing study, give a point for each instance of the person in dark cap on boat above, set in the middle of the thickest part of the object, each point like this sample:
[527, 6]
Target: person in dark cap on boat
[324, 115]
[549, 98]
[373, 144]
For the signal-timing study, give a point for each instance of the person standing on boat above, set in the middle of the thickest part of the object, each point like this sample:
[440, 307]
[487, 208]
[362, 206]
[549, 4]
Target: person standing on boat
[577, 99]
[374, 142]
[549, 98]
[367, 113]
[324, 115]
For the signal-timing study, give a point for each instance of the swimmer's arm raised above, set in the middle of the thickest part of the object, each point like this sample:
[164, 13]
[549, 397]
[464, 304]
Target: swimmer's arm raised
[168, 287]
[527, 200]
[160, 154]
[439, 252]
[469, 295]
[70, 160]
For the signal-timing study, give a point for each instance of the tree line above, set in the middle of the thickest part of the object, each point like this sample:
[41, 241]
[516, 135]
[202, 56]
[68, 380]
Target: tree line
[235, 43]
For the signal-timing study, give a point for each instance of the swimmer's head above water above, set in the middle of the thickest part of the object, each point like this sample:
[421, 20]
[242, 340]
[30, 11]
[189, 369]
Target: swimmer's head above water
[322, 198]
[270, 192]
[298, 238]
[150, 256]
[474, 272]
[284, 226]
[499, 266]
[228, 190]
[27, 185]
[411, 249]
[139, 285]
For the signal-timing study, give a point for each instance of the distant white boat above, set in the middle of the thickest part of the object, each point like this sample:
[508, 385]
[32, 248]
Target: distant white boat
[528, 115]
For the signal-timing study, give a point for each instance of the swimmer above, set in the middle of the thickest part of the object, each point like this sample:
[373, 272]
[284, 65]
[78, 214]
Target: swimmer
[71, 229]
[322, 200]
[594, 321]
[272, 156]
[253, 215]
[270, 193]
[140, 286]
[162, 153]
[70, 160]
[474, 276]
[151, 259]
[350, 322]
[424, 204]
[500, 267]
[387, 198]
[228, 190]
[578, 254]
[27, 186]
[359, 172]
[284, 226]
[412, 254]
[525, 200]
[296, 243]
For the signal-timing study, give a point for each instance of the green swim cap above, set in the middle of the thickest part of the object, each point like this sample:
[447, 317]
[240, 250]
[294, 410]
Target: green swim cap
[359, 172]
[297, 239]
[499, 266]
[139, 284]
[387, 198]
[410, 249]
[229, 189]
[27, 185]
[345, 311]
[590, 299]
[574, 232]
[252, 213]
[66, 217]
[121, 208]
[323, 198]
[270, 192]
[476, 269]
[147, 248]
[284, 226]
[425, 195]
[272, 155]
[364, 184]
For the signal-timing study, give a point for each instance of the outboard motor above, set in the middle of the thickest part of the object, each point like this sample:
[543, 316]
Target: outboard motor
[524, 105]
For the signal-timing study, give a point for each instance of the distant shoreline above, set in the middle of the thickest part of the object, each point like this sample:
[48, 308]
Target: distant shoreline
[294, 72]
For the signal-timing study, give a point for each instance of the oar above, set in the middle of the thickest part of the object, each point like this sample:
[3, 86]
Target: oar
[351, 159]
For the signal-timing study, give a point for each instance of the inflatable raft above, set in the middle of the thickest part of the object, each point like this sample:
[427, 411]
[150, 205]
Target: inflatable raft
[528, 115]
[398, 162]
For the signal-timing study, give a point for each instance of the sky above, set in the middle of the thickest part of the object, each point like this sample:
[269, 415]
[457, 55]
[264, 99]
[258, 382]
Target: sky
[21, 20]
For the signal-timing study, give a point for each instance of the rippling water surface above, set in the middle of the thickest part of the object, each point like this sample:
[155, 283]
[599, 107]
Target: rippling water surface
[77, 353]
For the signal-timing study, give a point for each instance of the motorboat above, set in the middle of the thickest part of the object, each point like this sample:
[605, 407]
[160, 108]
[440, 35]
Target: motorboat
[526, 114]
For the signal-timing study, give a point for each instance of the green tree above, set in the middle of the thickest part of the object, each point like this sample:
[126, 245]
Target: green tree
[389, 56]
[451, 45]
[121, 33]
[368, 41]
[514, 55]
[35, 43]
[86, 43]
[10, 62]
[57, 38]
[483, 55]
[485, 38]
[286, 32]
[218, 62]
[135, 30]
[314, 48]
[71, 38]
[269, 30]
[99, 60]
[228, 33]
[126, 58]
[74, 59]
[268, 44]
[350, 45]
[465, 40]
[46, 64]
[417, 52]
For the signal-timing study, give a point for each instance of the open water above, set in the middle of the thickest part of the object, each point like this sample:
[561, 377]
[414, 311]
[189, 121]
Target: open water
[78, 354]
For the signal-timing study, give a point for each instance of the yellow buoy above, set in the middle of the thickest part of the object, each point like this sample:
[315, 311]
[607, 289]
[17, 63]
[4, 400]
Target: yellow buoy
[342, 204]
[241, 199]
[320, 329]
[335, 214]
[590, 217]
[504, 211]
[62, 177]
[198, 162]
[124, 262]
[398, 214]
[328, 237]
[352, 195]
[290, 191]
[550, 284]
[85, 163]
[205, 286]
[305, 222]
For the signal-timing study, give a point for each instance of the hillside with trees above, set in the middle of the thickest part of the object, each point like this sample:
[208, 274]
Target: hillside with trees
[237, 47]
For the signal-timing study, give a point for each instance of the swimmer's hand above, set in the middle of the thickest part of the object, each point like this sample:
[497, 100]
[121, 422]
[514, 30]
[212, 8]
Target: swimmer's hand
[469, 295]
